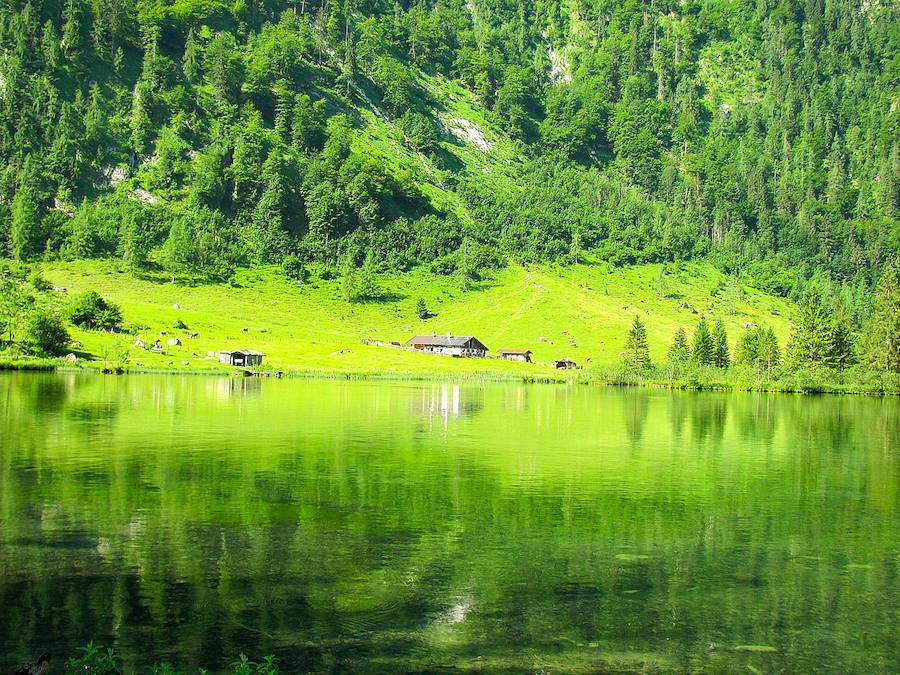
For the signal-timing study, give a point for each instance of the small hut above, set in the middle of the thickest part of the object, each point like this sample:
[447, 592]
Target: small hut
[522, 355]
[241, 357]
[565, 364]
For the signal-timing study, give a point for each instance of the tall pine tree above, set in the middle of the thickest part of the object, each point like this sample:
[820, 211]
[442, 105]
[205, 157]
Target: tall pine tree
[703, 348]
[721, 355]
[637, 352]
[811, 339]
[680, 351]
[882, 333]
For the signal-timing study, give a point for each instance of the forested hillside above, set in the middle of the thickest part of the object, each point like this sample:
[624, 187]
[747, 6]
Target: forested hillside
[201, 135]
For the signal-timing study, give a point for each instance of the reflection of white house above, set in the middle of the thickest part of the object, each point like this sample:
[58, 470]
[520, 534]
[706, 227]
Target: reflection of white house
[449, 345]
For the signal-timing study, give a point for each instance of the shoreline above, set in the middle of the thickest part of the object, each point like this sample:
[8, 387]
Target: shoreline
[579, 377]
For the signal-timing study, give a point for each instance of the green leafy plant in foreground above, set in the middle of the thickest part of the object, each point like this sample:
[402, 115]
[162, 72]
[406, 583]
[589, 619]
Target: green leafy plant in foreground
[94, 659]
[99, 660]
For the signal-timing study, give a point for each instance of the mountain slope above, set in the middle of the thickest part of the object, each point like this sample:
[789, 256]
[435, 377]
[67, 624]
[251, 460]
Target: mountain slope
[202, 136]
[576, 312]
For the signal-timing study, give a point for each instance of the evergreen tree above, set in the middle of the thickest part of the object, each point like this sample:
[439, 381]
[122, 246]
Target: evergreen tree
[841, 339]
[758, 348]
[72, 27]
[703, 348]
[811, 339]
[463, 266]
[769, 354]
[680, 351]
[575, 247]
[882, 332]
[637, 352]
[422, 309]
[25, 231]
[721, 355]
[749, 347]
[190, 60]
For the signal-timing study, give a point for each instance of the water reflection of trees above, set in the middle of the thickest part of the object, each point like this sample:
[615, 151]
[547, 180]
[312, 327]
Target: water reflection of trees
[709, 415]
[634, 413]
[333, 558]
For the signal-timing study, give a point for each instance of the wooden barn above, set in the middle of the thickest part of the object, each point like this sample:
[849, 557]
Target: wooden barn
[241, 357]
[448, 345]
[523, 355]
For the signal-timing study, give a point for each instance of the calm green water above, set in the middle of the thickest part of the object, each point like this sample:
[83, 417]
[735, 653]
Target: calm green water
[413, 527]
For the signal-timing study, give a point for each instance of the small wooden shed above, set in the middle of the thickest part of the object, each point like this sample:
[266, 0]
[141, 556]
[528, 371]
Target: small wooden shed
[523, 355]
[241, 357]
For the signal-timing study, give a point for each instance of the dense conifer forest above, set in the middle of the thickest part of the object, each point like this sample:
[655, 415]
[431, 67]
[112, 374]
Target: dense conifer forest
[198, 136]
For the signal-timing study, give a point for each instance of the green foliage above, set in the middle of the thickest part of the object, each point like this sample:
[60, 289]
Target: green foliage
[821, 336]
[16, 298]
[419, 130]
[637, 351]
[882, 334]
[680, 351]
[364, 284]
[721, 354]
[841, 339]
[244, 666]
[95, 660]
[422, 309]
[758, 349]
[25, 232]
[90, 310]
[201, 135]
[45, 333]
[396, 83]
[294, 268]
[703, 348]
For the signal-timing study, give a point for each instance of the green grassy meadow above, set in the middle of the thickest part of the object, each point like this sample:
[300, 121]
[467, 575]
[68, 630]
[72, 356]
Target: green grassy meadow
[581, 312]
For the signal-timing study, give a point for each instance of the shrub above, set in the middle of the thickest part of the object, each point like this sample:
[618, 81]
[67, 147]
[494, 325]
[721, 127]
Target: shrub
[38, 282]
[94, 659]
[90, 310]
[46, 333]
[293, 268]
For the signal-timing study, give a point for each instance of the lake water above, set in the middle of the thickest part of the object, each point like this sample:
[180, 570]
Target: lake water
[347, 526]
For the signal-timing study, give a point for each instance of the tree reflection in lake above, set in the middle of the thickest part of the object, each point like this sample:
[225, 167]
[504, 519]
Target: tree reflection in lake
[512, 528]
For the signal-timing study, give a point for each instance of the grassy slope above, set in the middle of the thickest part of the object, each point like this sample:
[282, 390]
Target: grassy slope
[309, 328]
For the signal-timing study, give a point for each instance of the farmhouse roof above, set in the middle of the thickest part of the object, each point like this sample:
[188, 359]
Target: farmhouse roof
[444, 340]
